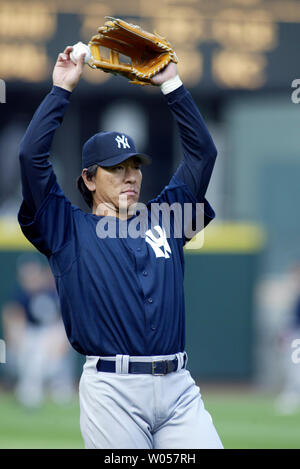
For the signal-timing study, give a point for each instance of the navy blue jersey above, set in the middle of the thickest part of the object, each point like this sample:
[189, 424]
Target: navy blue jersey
[41, 307]
[120, 295]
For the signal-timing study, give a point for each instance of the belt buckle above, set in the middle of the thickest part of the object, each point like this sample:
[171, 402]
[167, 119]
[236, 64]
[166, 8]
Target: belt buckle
[166, 368]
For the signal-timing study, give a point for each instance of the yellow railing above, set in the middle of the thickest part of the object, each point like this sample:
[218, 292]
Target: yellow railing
[216, 238]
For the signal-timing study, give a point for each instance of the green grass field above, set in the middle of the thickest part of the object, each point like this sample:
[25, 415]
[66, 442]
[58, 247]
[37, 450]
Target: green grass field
[243, 420]
[249, 421]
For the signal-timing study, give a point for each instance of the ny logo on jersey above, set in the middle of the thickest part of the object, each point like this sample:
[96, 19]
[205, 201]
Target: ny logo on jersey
[159, 245]
[122, 141]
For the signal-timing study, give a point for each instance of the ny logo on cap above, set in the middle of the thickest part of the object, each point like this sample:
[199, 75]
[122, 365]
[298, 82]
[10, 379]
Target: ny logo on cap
[122, 141]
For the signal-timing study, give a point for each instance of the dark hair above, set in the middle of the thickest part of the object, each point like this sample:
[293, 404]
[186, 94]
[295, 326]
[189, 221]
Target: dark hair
[84, 191]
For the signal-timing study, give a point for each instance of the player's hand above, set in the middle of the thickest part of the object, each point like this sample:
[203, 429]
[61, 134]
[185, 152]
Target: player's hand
[66, 74]
[170, 71]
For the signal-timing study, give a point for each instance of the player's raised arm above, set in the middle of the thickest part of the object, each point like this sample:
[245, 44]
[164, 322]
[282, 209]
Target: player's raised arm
[66, 73]
[36, 170]
[199, 151]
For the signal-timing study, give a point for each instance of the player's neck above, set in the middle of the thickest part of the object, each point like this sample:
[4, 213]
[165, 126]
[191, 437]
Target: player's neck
[106, 209]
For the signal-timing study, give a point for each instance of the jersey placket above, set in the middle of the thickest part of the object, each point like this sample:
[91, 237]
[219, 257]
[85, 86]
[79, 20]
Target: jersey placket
[144, 272]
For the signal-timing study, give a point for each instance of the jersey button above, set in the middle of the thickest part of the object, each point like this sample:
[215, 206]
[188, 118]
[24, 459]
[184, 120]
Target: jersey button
[150, 300]
[145, 273]
[138, 249]
[153, 328]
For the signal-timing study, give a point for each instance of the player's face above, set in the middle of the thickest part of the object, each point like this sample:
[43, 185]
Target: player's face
[117, 187]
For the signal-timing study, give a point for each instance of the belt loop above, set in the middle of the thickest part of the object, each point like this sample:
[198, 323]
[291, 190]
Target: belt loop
[122, 364]
[180, 361]
[119, 364]
[185, 359]
[125, 364]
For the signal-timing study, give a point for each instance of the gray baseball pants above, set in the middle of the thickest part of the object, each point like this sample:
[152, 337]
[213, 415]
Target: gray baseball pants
[142, 411]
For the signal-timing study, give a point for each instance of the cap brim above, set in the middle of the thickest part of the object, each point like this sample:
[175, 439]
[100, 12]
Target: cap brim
[146, 160]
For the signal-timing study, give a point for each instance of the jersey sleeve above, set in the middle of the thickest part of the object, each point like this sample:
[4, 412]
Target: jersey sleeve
[184, 197]
[179, 210]
[51, 226]
[45, 215]
[37, 173]
[198, 149]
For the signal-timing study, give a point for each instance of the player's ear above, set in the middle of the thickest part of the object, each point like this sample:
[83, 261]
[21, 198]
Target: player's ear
[89, 182]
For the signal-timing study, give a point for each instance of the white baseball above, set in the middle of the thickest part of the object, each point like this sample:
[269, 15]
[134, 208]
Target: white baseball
[78, 49]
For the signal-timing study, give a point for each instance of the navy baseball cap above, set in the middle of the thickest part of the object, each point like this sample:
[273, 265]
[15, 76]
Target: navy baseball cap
[110, 148]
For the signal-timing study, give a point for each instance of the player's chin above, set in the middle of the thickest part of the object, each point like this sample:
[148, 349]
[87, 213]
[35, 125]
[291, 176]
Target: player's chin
[128, 198]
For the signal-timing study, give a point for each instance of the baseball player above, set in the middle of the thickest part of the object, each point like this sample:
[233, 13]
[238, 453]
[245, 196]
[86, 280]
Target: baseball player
[122, 298]
[36, 336]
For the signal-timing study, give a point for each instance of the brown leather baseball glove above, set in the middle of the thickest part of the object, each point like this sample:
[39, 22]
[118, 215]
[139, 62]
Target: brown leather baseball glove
[146, 53]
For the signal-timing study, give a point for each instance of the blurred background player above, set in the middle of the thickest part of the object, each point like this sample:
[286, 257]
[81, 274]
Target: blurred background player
[38, 352]
[288, 400]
